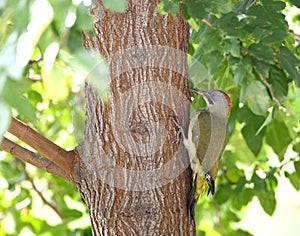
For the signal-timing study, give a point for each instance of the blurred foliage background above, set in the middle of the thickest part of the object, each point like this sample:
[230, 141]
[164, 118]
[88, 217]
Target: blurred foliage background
[41, 43]
[250, 49]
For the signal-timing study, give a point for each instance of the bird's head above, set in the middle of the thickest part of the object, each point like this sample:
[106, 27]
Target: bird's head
[215, 98]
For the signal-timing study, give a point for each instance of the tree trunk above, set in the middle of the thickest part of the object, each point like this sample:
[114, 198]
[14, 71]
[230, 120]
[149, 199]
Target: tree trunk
[132, 170]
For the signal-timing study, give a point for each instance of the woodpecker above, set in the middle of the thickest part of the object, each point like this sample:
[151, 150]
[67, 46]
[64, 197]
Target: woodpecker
[207, 137]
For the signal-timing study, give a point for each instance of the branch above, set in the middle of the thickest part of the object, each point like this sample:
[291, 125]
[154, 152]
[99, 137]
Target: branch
[52, 206]
[32, 158]
[291, 159]
[269, 86]
[206, 21]
[251, 5]
[60, 157]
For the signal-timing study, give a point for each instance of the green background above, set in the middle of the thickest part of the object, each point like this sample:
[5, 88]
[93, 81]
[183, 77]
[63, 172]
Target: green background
[241, 47]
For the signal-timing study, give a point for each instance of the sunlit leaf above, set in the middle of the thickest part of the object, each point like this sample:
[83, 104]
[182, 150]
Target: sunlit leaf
[278, 137]
[4, 118]
[267, 121]
[297, 168]
[256, 96]
[13, 96]
[169, 6]
[54, 76]
[294, 179]
[115, 5]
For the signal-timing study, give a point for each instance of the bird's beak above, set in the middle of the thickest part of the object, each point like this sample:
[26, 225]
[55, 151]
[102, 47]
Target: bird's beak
[200, 92]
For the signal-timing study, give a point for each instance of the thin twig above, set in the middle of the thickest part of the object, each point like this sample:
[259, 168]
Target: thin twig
[270, 90]
[45, 201]
[251, 5]
[32, 158]
[206, 21]
[291, 159]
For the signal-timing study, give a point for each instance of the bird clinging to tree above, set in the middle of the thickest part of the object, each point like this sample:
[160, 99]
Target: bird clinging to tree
[207, 138]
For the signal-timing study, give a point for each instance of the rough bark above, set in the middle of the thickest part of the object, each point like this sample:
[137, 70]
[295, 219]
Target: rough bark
[132, 170]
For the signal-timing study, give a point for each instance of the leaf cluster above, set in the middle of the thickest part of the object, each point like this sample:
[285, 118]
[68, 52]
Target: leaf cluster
[38, 84]
[248, 49]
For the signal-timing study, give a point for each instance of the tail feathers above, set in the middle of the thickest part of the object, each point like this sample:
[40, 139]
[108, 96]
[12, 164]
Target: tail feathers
[198, 187]
[192, 201]
[211, 184]
[192, 205]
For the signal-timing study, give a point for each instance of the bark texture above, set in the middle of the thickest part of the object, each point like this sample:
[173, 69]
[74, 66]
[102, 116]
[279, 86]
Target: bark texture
[132, 169]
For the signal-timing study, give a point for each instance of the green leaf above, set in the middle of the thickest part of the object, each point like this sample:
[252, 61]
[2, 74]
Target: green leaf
[230, 216]
[292, 103]
[255, 95]
[205, 31]
[274, 37]
[267, 120]
[169, 6]
[242, 198]
[262, 52]
[279, 83]
[232, 26]
[4, 118]
[262, 67]
[249, 131]
[241, 232]
[294, 179]
[223, 193]
[213, 61]
[266, 197]
[197, 9]
[295, 2]
[196, 68]
[259, 183]
[8, 64]
[234, 174]
[240, 185]
[278, 137]
[289, 63]
[210, 39]
[115, 5]
[243, 5]
[296, 147]
[72, 213]
[160, 8]
[221, 6]
[241, 69]
[267, 201]
[207, 53]
[271, 180]
[54, 77]
[232, 46]
[297, 168]
[222, 76]
[186, 15]
[270, 13]
[13, 95]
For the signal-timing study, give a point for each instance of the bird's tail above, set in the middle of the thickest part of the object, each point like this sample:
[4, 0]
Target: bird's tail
[193, 198]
